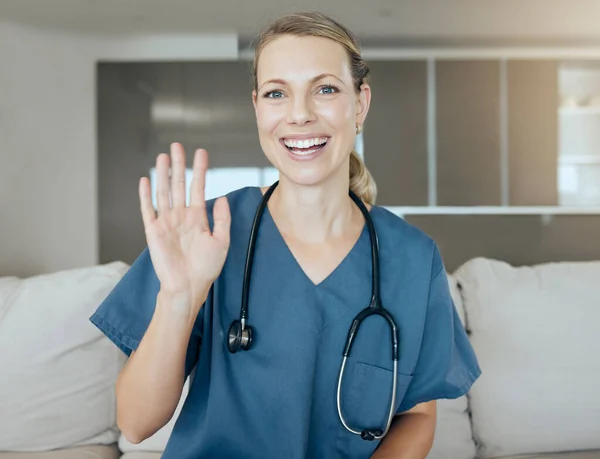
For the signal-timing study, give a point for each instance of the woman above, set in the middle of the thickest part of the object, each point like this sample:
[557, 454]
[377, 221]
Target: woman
[311, 274]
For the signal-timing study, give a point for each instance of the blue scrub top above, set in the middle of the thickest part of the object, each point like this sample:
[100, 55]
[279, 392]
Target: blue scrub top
[279, 398]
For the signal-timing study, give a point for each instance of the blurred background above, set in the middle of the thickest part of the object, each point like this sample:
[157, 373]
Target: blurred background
[484, 128]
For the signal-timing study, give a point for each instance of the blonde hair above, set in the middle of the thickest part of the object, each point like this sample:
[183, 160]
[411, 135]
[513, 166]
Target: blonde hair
[319, 25]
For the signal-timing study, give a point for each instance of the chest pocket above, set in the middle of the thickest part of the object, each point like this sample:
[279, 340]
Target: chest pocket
[365, 400]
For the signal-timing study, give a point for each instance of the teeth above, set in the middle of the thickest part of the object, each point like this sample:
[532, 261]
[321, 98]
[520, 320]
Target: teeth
[306, 152]
[293, 143]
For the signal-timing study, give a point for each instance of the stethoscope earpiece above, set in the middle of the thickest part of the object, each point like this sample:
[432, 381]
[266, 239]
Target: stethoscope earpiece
[239, 338]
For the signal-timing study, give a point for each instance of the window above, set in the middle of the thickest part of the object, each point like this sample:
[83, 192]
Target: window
[220, 181]
[579, 134]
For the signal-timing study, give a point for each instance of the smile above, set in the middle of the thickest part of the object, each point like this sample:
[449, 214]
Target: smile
[304, 147]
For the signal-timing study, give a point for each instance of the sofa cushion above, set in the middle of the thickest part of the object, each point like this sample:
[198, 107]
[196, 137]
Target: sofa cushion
[535, 333]
[82, 452]
[453, 435]
[595, 454]
[140, 455]
[58, 370]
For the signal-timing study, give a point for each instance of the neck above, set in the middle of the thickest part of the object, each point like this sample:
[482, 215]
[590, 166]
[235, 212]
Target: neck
[313, 214]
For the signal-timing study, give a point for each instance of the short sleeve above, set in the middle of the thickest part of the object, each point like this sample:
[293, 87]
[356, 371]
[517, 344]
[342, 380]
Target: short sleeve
[126, 312]
[447, 365]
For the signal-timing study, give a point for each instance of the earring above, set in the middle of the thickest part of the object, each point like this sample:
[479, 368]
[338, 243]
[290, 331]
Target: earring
[358, 129]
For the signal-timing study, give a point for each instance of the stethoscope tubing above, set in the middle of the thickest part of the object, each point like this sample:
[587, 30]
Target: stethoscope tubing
[392, 404]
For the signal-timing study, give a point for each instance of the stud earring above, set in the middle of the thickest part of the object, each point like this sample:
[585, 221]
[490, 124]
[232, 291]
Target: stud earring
[358, 129]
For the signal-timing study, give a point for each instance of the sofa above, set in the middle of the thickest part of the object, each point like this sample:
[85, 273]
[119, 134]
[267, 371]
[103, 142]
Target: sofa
[535, 330]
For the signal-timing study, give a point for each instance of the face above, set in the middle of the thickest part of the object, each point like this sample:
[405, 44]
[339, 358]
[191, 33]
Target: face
[307, 108]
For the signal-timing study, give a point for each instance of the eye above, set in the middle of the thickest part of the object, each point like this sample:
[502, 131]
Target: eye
[329, 89]
[275, 94]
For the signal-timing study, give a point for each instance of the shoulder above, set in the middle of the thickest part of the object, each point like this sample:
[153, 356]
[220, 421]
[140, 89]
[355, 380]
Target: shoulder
[406, 243]
[237, 197]
[243, 196]
[240, 201]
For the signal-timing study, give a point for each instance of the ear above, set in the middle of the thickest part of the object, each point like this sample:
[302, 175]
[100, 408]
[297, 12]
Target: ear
[254, 99]
[363, 102]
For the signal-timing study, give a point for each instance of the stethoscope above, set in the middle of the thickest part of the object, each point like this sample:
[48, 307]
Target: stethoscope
[240, 334]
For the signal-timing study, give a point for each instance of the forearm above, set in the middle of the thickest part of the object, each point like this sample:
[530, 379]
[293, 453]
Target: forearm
[410, 437]
[149, 387]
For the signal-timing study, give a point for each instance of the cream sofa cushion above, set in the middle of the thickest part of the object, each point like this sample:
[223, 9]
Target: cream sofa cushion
[141, 455]
[453, 435]
[58, 370]
[81, 452]
[536, 333]
[566, 455]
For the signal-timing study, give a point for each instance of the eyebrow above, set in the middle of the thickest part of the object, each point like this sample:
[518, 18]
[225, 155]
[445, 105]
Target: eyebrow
[312, 80]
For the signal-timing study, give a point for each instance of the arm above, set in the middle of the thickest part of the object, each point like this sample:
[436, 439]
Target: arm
[411, 434]
[156, 308]
[149, 387]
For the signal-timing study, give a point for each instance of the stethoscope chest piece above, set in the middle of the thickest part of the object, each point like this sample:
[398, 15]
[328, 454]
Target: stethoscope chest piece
[239, 337]
[371, 435]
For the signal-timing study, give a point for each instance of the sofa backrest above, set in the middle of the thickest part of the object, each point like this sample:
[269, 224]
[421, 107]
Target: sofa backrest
[534, 329]
[58, 371]
[536, 333]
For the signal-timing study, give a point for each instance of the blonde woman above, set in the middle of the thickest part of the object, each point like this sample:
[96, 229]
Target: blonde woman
[257, 291]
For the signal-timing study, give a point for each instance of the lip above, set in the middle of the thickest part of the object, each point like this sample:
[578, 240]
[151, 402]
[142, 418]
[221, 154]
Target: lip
[304, 137]
[303, 158]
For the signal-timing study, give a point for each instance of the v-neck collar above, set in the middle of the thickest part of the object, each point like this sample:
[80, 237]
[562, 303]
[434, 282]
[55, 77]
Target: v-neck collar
[268, 219]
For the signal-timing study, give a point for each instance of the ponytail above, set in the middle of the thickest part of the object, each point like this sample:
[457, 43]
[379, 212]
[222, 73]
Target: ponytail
[361, 181]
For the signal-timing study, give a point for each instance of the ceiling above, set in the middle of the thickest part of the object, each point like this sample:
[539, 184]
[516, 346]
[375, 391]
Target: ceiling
[420, 21]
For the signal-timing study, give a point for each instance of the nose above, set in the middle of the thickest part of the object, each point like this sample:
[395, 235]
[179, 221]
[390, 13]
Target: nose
[300, 111]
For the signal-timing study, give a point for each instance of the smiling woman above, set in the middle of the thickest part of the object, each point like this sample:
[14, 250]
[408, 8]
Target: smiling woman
[339, 94]
[282, 366]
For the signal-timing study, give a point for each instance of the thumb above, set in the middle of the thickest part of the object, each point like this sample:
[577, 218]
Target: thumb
[222, 219]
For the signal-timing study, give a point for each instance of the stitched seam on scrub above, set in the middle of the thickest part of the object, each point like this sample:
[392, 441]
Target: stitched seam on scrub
[125, 342]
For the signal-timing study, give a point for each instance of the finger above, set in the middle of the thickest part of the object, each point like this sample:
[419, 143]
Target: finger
[162, 183]
[199, 178]
[222, 220]
[178, 175]
[148, 214]
[197, 195]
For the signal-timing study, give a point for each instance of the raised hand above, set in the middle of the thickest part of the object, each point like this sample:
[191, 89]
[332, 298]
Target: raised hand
[187, 257]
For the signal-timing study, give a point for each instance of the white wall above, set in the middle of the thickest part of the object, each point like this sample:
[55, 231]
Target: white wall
[48, 202]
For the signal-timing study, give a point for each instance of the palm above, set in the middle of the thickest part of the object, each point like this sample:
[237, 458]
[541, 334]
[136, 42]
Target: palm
[185, 253]
[180, 247]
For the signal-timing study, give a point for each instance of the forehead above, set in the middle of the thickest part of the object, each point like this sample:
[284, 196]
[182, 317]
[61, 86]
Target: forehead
[293, 58]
